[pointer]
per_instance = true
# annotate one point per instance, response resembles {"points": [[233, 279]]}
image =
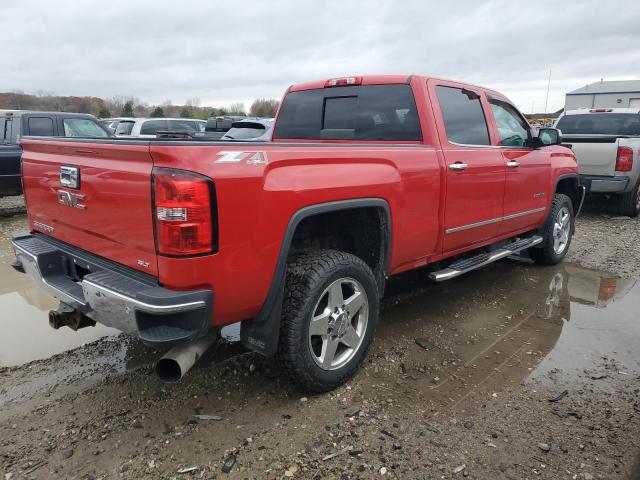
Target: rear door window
{"points": [[40, 126], [464, 119], [82, 127], [600, 124], [365, 112], [152, 127]]}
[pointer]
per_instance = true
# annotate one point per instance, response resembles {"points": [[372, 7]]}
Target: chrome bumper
{"points": [[597, 184], [112, 294]]}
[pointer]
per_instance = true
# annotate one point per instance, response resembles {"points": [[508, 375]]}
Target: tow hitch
{"points": [[69, 317]]}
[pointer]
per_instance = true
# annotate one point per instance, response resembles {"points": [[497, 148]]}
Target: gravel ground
{"points": [[10, 206], [454, 387]]}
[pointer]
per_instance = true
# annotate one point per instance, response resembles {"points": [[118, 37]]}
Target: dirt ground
{"points": [[511, 372]]}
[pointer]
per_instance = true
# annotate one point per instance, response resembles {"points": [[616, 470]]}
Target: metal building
{"points": [[620, 93]]}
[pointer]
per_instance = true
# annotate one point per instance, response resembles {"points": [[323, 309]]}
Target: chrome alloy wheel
{"points": [[339, 323], [561, 230]]}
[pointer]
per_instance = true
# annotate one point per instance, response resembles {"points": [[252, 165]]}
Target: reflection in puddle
{"points": [[26, 334], [509, 323]]}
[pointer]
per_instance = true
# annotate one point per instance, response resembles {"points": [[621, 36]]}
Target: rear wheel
{"points": [[329, 315], [556, 232], [629, 203]]}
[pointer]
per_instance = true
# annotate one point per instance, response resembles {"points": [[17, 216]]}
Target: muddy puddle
{"points": [[509, 324], [444, 344], [26, 335]]}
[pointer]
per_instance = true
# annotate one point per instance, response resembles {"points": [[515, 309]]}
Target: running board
{"points": [[465, 265]]}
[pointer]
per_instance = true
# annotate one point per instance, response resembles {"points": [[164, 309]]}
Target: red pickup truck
{"points": [[365, 177]]}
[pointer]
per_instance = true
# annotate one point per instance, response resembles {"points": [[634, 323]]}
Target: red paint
{"points": [[257, 200]]}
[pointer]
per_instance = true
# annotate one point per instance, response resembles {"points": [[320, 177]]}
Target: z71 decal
{"points": [[255, 158]]}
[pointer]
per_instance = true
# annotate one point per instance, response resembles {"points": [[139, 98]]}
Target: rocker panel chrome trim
{"points": [[461, 228]]}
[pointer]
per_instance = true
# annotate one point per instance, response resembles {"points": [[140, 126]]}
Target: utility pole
{"points": [[546, 101]]}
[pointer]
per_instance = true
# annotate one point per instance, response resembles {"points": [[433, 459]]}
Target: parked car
{"points": [[606, 142], [14, 124], [149, 127], [223, 123], [112, 123], [250, 130], [365, 177]]}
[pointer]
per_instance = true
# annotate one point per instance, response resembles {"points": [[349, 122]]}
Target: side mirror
{"points": [[548, 136]]}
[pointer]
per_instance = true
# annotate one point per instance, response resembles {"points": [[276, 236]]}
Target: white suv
{"points": [[149, 127]]}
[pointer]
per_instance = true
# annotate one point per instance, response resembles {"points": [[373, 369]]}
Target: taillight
{"points": [[343, 82], [185, 213], [624, 159]]}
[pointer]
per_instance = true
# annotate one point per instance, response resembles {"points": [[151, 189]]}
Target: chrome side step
{"points": [[465, 265]]}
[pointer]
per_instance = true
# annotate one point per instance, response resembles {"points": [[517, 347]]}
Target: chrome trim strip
{"points": [[449, 231], [461, 228], [526, 212]]}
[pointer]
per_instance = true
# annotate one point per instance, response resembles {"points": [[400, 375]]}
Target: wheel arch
{"points": [[261, 332], [569, 185]]}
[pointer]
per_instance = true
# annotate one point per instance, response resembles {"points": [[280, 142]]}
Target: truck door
{"points": [[528, 170], [475, 169]]}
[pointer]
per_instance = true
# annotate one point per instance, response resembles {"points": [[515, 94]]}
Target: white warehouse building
{"points": [[613, 94]]}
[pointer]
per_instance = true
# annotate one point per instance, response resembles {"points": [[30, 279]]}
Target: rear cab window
{"points": [[464, 118], [600, 124], [364, 112], [40, 126]]}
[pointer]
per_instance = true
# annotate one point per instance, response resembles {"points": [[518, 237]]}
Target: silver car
{"points": [[250, 130]]}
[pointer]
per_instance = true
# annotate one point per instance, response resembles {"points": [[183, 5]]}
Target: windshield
{"points": [[600, 124]]}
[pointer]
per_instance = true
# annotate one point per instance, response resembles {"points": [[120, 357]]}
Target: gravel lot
{"points": [[458, 384]]}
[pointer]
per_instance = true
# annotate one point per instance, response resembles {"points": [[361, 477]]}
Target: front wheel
{"points": [[329, 315], [556, 232]]}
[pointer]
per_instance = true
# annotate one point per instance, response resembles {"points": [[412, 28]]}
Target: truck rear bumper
{"points": [[597, 184], [112, 294]]}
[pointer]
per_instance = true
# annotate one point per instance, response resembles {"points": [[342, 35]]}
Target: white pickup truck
{"points": [[606, 142]]}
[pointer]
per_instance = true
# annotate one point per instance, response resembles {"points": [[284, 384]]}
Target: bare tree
{"points": [[237, 109], [264, 107]]}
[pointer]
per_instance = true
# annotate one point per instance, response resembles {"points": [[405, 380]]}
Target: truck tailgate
{"points": [[109, 214], [596, 154]]}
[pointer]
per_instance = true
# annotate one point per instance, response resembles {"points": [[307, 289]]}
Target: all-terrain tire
{"points": [[546, 253], [629, 203], [307, 279]]}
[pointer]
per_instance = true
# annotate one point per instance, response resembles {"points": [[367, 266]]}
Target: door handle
{"points": [[513, 164], [458, 166]]}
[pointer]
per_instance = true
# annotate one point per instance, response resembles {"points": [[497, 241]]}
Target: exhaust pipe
{"points": [[179, 360]]}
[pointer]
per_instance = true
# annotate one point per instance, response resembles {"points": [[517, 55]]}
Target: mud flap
{"points": [[262, 333]]}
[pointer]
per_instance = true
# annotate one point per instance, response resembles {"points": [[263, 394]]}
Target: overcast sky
{"points": [[221, 52]]}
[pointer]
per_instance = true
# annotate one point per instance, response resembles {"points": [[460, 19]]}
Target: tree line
{"points": [[127, 106]]}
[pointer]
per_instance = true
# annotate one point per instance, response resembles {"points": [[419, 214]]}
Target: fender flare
{"points": [[261, 333], [581, 190]]}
